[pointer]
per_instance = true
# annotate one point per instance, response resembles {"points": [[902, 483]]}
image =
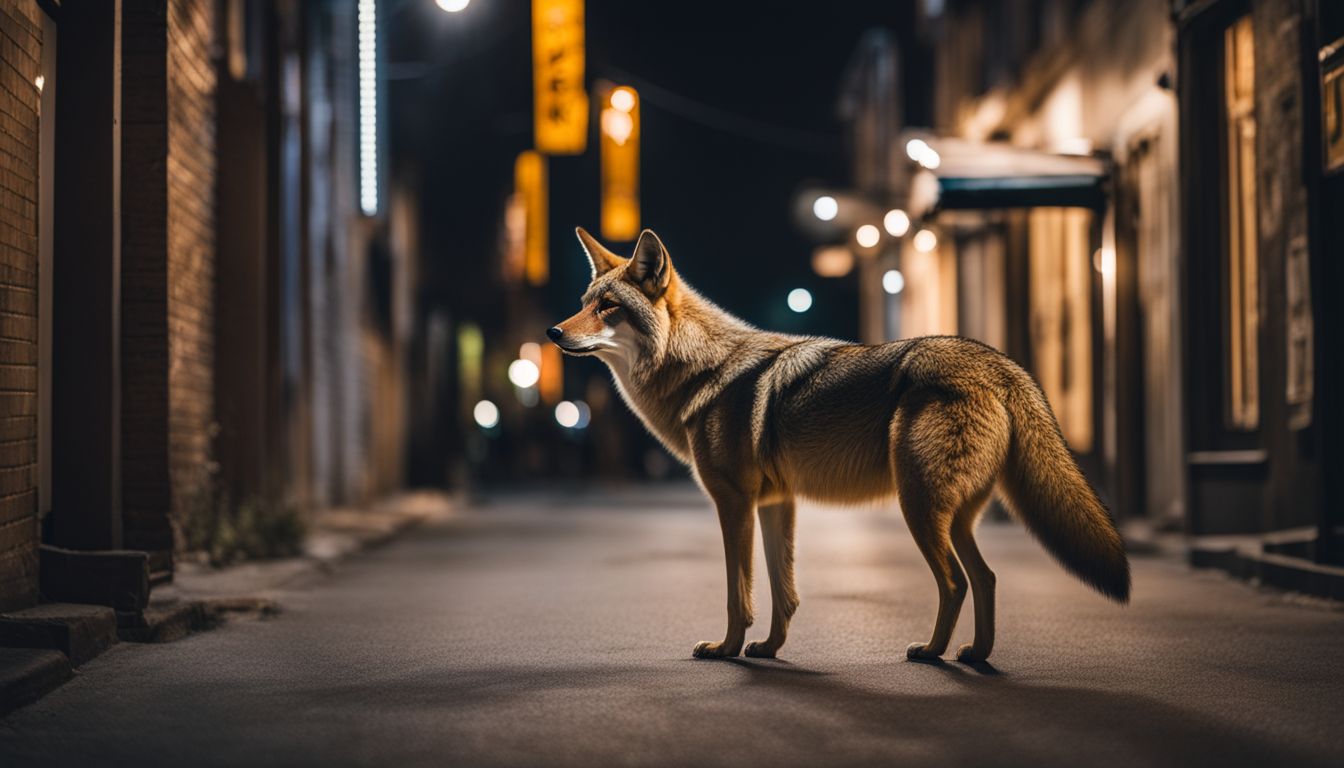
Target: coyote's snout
{"points": [[764, 418]]}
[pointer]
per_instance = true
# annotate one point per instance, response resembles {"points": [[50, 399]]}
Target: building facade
{"points": [[1133, 200], [202, 334]]}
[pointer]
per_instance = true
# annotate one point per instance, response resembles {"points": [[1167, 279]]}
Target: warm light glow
{"points": [[368, 107], [39, 82], [530, 351], [825, 208], [623, 98], [893, 281], [486, 414], [617, 124], [920, 151], [832, 261], [896, 222], [453, 6], [1104, 262], [925, 241], [867, 236], [560, 100], [524, 373], [800, 300]]}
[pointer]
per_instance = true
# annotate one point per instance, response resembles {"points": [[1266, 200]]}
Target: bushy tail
{"points": [[1048, 492]]}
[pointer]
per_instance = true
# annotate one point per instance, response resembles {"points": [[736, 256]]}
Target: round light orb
{"points": [[825, 207], [486, 414], [623, 98], [524, 373], [915, 149], [867, 236], [893, 282], [896, 222], [925, 241], [567, 414], [800, 300], [453, 6]]}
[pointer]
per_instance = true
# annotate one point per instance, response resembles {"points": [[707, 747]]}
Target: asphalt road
{"points": [[557, 629]]}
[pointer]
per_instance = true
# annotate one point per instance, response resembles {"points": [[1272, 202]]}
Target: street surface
{"points": [[556, 628]]}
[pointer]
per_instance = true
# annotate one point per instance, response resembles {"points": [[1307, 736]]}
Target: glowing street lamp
{"points": [[486, 414], [896, 222], [893, 282], [800, 300], [825, 208], [867, 236], [925, 241], [524, 373]]}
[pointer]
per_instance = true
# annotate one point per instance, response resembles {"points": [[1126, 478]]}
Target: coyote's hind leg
{"points": [[777, 523]]}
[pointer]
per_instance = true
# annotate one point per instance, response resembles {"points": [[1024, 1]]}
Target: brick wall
{"points": [[20, 62], [168, 246], [191, 247]]}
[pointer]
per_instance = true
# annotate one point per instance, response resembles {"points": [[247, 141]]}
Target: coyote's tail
{"points": [[1048, 492]]}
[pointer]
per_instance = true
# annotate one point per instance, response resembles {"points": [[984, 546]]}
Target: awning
{"points": [[964, 175]]}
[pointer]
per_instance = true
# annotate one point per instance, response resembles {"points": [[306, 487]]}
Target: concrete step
{"points": [[27, 674], [79, 631]]}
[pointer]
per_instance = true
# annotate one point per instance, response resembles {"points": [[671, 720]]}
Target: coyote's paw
{"points": [[921, 652], [967, 654], [759, 650], [707, 650]]}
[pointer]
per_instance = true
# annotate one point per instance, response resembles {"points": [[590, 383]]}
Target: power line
{"points": [[727, 121]]}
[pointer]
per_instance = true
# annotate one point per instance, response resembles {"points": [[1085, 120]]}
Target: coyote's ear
{"points": [[599, 257], [650, 267]]}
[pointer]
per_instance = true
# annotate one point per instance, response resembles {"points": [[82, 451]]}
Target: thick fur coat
{"points": [[766, 418]]}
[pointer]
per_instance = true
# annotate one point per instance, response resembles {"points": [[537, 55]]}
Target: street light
{"points": [[524, 373], [893, 282], [925, 241], [825, 208], [453, 6], [800, 300], [486, 414], [867, 236], [896, 222]]}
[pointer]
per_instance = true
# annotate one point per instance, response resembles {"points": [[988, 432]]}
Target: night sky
{"points": [[738, 111]]}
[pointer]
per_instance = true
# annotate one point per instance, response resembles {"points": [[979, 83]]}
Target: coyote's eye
{"points": [[606, 307]]}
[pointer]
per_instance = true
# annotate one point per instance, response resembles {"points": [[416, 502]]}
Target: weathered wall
{"points": [[20, 64], [191, 248]]}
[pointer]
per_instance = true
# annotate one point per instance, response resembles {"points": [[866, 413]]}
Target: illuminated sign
{"points": [[529, 174], [561, 108], [620, 163]]}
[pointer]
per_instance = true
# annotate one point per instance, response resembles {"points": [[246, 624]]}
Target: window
{"points": [[1242, 316]]}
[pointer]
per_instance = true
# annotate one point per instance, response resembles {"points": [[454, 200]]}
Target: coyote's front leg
{"points": [[735, 518]]}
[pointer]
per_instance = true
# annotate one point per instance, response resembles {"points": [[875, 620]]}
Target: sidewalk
{"points": [[201, 597]]}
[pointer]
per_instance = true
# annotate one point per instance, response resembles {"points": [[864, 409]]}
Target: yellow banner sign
{"points": [[561, 119], [529, 173], [620, 163]]}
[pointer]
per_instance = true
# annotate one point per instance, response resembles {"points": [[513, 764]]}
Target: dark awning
{"points": [[963, 175]]}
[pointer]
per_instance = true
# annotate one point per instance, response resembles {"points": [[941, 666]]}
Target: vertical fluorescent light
{"points": [[368, 106]]}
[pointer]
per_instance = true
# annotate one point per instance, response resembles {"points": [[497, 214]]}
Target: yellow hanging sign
{"points": [[620, 163], [529, 179], [561, 108]]}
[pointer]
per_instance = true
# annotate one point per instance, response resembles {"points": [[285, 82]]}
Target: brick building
{"points": [[194, 333]]}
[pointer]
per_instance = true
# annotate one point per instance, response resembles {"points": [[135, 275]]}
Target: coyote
{"points": [[766, 418]]}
